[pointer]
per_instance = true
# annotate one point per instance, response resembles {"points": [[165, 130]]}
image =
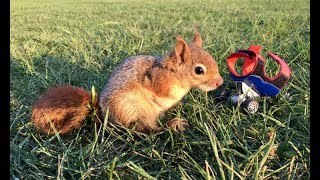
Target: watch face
{"points": [[249, 90]]}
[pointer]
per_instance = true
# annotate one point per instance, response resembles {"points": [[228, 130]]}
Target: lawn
{"points": [[80, 42]]}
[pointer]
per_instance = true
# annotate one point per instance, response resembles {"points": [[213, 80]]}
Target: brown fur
{"points": [[139, 90], [65, 106], [138, 101]]}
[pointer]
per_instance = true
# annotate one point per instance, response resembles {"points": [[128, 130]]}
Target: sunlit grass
{"points": [[80, 42]]}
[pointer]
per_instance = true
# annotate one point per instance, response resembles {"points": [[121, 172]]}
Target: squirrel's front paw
{"points": [[177, 124]]}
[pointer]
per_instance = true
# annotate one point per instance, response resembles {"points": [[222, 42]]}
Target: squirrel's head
{"points": [[194, 66]]}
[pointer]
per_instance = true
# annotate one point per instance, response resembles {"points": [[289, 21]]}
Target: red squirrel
{"points": [[140, 89]]}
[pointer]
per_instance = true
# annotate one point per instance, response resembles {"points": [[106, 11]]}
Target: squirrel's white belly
{"points": [[176, 94], [164, 104]]}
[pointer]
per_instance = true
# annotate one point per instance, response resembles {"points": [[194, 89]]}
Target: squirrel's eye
{"points": [[199, 70]]}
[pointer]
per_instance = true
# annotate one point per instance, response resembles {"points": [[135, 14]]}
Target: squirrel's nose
{"points": [[218, 81]]}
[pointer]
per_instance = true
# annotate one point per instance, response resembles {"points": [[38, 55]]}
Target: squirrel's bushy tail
{"points": [[65, 106]]}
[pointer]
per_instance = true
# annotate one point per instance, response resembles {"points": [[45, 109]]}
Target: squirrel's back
{"points": [[124, 94], [131, 69]]}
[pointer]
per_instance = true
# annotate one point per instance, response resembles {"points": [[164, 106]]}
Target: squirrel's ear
{"points": [[197, 40], [182, 51]]}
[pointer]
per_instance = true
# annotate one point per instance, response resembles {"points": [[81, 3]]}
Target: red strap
{"points": [[248, 61], [249, 64], [284, 68], [255, 48]]}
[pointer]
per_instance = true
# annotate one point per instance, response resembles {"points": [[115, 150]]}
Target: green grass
{"points": [[80, 42]]}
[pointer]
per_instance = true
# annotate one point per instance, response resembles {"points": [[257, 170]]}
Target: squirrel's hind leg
{"points": [[148, 125], [177, 124]]}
